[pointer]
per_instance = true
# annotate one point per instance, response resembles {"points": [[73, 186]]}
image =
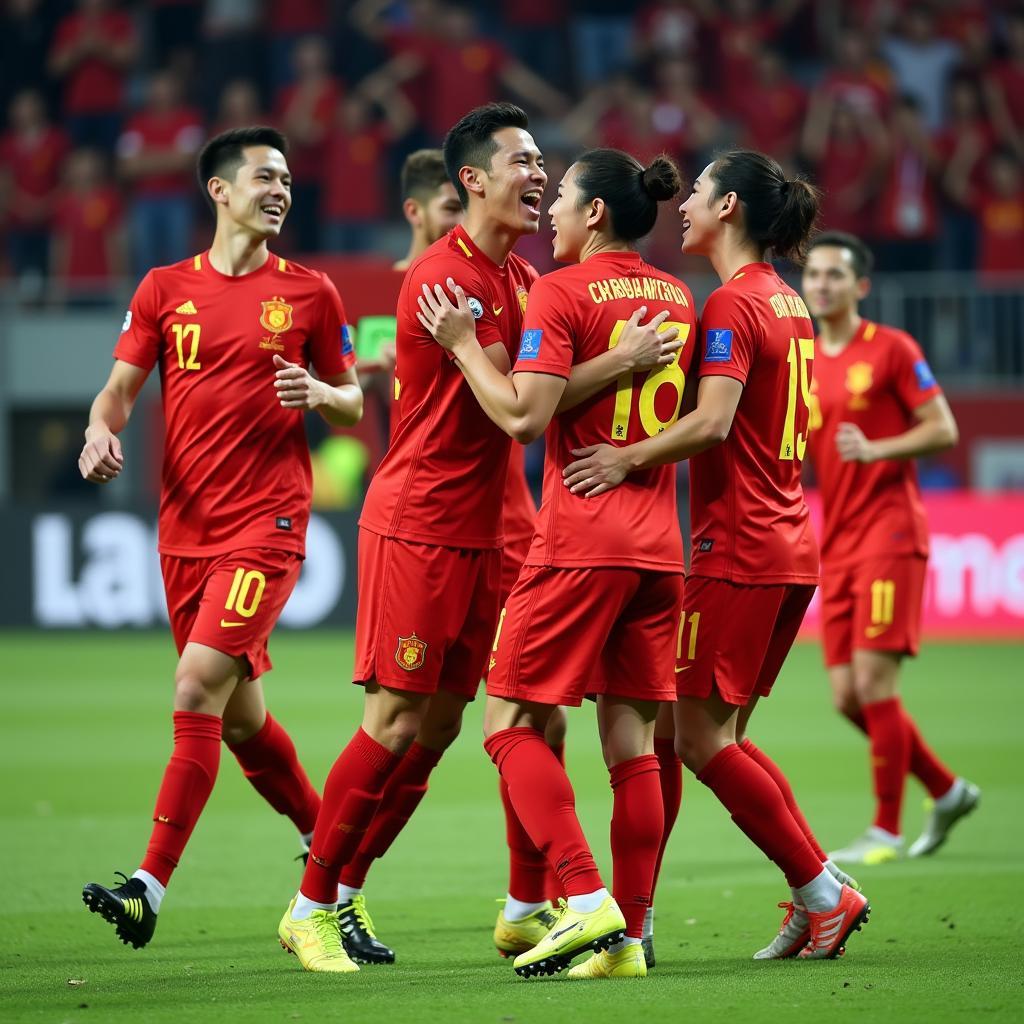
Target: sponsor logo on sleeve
{"points": [[718, 346], [346, 340], [924, 375], [127, 321], [529, 347], [475, 307]]}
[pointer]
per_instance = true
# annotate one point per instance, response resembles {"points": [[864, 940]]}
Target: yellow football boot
{"points": [[316, 941], [573, 933], [514, 937], [627, 963]]}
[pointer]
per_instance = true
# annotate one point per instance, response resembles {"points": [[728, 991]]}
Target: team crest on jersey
{"points": [[410, 653], [276, 316], [859, 378], [522, 295]]}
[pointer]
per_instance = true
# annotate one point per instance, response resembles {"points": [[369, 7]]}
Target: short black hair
{"points": [[423, 173], [471, 142], [861, 258], [630, 191], [223, 154]]}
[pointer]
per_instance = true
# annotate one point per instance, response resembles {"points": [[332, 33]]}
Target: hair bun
{"points": [[661, 180]]}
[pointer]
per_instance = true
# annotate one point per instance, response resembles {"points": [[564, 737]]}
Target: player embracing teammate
{"points": [[596, 606], [754, 559]]}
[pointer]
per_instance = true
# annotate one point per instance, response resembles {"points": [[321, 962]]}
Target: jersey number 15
{"points": [[801, 355]]}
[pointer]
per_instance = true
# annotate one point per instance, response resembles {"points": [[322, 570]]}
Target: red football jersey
{"points": [[750, 523], [236, 468], [876, 382], [575, 314], [520, 512], [443, 478]]}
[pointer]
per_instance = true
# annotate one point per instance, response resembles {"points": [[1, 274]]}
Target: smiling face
{"points": [[259, 196], [512, 186], [702, 222], [568, 219], [830, 284]]}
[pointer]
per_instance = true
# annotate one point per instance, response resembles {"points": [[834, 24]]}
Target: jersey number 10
{"points": [[671, 374], [799, 360]]}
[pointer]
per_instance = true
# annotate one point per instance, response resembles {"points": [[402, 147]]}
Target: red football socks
{"points": [[187, 784], [758, 807], [552, 886], [543, 800], [402, 795], [527, 867], [671, 778], [924, 765], [890, 759], [269, 761], [786, 790], [352, 795], [638, 822]]}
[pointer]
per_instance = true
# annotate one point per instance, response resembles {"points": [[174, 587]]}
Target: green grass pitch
{"points": [[85, 732]]}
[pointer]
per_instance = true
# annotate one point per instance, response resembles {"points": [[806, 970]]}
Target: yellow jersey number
{"points": [[801, 355], [187, 336], [671, 375]]}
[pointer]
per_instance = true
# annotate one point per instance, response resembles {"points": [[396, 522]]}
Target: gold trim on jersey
{"points": [[465, 248], [197, 261], [869, 331], [282, 263]]}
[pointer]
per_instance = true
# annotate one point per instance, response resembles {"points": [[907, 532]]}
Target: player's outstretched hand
{"points": [[449, 323], [853, 446], [645, 345], [101, 459], [296, 387], [598, 468]]}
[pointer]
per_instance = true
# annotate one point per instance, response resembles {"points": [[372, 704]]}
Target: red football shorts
{"points": [[567, 632], [230, 602], [874, 605], [512, 557], [734, 637], [426, 614]]}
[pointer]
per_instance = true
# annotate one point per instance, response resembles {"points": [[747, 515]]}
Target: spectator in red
{"points": [[288, 23], [91, 54], [156, 155], [305, 111], [922, 62], [741, 31], [772, 113], [87, 248], [31, 153], [667, 28], [355, 192], [858, 80], [239, 105], [962, 146], [997, 200], [462, 69], [845, 147], [1004, 86], [682, 110], [907, 216]]}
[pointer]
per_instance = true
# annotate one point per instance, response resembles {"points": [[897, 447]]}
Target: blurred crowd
{"points": [[908, 115]]}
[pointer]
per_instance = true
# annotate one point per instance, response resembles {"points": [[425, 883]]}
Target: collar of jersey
{"points": [[208, 268], [460, 233], [753, 268]]}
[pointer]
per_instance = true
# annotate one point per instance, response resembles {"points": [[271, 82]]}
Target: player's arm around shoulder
{"points": [[102, 458]]}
